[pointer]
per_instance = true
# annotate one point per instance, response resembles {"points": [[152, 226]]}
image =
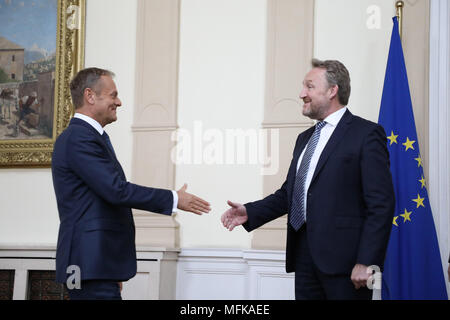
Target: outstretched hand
{"points": [[192, 203], [235, 216]]}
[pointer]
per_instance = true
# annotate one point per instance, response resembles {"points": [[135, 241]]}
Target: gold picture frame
{"points": [[69, 57]]}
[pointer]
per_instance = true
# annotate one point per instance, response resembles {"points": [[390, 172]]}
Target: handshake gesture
{"points": [[233, 217], [192, 203]]}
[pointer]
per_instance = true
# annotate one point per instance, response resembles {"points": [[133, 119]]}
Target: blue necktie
{"points": [[111, 150], [298, 209], [108, 142]]}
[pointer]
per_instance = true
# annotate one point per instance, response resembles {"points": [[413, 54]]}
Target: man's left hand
{"points": [[360, 276]]}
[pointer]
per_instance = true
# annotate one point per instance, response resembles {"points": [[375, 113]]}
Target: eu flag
{"points": [[413, 266]]}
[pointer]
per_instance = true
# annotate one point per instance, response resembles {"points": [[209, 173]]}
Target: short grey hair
{"points": [[86, 78], [336, 74]]}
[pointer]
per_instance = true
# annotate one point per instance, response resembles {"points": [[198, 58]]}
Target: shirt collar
{"points": [[97, 126], [335, 117]]}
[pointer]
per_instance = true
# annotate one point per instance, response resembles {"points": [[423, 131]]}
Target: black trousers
{"points": [[96, 290], [312, 284]]}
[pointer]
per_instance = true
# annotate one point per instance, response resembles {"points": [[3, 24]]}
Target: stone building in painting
{"points": [[12, 59]]}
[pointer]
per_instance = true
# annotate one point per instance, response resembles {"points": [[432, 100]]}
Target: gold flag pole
{"points": [[399, 5]]}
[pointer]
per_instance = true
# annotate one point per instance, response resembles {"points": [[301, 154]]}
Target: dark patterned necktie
{"points": [[111, 151], [298, 198], [108, 142]]}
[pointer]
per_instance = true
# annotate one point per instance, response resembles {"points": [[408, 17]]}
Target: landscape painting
{"points": [[41, 49], [28, 41]]}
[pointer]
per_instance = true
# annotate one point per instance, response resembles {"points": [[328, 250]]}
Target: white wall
{"points": [[233, 274], [222, 68], [342, 33], [222, 59], [28, 212], [111, 44], [221, 83], [439, 139]]}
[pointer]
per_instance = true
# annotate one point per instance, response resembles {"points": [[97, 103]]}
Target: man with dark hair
{"points": [[87, 78], [25, 105], [97, 232], [338, 194]]}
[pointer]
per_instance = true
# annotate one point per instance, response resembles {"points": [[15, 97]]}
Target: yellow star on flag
{"points": [[409, 144], [393, 138], [406, 216], [419, 161], [422, 181], [394, 222], [419, 201]]}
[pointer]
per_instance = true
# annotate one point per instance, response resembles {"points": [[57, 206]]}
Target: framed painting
{"points": [[41, 49]]}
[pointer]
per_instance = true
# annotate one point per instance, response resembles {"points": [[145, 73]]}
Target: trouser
{"points": [[312, 284], [96, 290]]}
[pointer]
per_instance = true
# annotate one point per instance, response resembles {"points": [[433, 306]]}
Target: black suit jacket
{"points": [[350, 201], [94, 199]]}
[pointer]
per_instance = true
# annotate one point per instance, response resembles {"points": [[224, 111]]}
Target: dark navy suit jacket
{"points": [[350, 201], [94, 199]]}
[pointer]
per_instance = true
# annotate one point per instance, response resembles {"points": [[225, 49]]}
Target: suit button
{"points": [[309, 194]]}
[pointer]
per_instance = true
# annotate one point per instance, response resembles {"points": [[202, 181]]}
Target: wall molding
{"points": [[289, 53], [155, 114], [233, 274], [153, 128], [439, 132], [155, 278]]}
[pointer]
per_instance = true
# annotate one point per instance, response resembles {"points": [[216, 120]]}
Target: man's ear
{"points": [[334, 91], [89, 95]]}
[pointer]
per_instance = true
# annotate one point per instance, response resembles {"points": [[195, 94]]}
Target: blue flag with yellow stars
{"points": [[413, 267]]}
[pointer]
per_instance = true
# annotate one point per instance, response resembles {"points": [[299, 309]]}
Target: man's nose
{"points": [[303, 94]]}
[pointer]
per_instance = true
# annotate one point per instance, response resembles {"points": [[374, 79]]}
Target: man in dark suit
{"points": [[338, 194], [97, 232]]}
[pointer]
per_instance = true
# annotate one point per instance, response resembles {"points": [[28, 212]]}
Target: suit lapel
{"points": [[83, 123], [94, 132], [305, 136], [112, 154], [302, 144], [335, 139]]}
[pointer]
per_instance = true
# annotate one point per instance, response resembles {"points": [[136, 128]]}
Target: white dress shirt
{"points": [[97, 126], [331, 123]]}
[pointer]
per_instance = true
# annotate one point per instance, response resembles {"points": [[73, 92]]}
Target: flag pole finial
{"points": [[399, 5]]}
